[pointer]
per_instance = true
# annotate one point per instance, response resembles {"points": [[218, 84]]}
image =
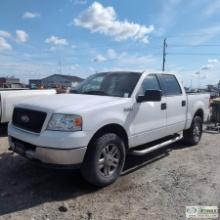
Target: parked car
{"points": [[10, 97], [109, 115]]}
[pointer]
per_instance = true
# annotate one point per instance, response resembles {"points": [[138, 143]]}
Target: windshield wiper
{"points": [[73, 91], [95, 92]]}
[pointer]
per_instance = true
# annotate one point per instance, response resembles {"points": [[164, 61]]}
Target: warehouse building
{"points": [[55, 81], [10, 82]]}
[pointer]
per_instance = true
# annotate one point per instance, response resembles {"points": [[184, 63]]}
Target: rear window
{"points": [[170, 85]]}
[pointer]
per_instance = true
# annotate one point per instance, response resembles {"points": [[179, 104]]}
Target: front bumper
{"points": [[52, 139], [48, 156], [50, 147]]}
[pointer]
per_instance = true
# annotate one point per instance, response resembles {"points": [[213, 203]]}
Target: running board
{"points": [[174, 139]]}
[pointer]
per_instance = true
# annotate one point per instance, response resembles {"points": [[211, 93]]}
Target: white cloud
{"points": [[4, 45], [111, 54], [56, 41], [213, 61], [99, 58], [79, 2], [5, 34], [124, 59], [212, 8], [98, 18], [30, 15], [207, 67], [21, 36]]}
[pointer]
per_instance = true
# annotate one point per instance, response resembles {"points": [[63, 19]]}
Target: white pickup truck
{"points": [[109, 115], [10, 97]]}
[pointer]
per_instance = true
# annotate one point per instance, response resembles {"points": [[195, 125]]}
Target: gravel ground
{"points": [[156, 186]]}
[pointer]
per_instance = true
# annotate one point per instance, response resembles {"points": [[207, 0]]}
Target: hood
{"points": [[57, 103]]}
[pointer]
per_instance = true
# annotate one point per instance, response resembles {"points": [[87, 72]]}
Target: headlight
{"points": [[65, 122]]}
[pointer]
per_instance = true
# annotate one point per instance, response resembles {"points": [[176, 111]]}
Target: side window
{"points": [[170, 85], [149, 83]]}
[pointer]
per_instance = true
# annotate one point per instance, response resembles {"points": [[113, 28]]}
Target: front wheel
{"points": [[193, 135], [104, 160]]}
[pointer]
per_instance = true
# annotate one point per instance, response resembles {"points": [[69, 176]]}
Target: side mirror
{"points": [[150, 96]]}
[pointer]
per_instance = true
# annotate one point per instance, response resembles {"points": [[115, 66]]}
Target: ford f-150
{"points": [[108, 116]]}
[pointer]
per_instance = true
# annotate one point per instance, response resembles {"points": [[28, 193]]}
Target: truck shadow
{"points": [[24, 185], [3, 130], [134, 163]]}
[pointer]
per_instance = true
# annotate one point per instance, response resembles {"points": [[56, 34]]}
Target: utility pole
{"points": [[164, 53]]}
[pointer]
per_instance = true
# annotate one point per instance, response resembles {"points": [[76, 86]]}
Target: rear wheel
{"points": [[193, 135], [104, 160]]}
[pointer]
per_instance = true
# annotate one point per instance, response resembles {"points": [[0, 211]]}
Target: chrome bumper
{"points": [[52, 156]]}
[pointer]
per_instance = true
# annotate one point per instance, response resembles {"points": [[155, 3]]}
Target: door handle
{"points": [[163, 106], [183, 103]]}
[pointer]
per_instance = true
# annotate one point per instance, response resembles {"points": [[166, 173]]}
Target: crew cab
{"points": [[108, 116], [10, 97]]}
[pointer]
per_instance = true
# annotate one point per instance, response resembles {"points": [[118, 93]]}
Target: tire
{"points": [[104, 160], [193, 135]]}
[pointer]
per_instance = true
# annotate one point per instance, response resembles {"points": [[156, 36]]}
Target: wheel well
{"points": [[111, 128], [200, 114]]}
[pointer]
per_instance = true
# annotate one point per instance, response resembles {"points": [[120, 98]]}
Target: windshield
{"points": [[109, 84]]}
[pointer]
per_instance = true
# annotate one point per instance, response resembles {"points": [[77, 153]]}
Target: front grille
{"points": [[27, 119]]}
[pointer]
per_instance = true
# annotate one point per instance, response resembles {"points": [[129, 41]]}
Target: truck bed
{"points": [[197, 101]]}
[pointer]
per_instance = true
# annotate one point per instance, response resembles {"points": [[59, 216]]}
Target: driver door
{"points": [[150, 117]]}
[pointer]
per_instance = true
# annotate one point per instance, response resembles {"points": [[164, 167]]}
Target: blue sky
{"points": [[80, 37]]}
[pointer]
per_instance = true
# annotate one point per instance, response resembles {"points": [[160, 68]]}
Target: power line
{"points": [[196, 54], [190, 35], [196, 45]]}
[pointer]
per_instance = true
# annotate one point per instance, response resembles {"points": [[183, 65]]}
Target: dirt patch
{"points": [[156, 186]]}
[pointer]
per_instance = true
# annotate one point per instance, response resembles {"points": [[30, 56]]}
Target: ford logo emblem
{"points": [[25, 118]]}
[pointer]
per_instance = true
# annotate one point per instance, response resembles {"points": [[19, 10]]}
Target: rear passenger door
{"points": [[175, 103]]}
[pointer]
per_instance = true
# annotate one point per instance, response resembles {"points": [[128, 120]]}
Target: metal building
{"points": [[55, 81], [10, 82]]}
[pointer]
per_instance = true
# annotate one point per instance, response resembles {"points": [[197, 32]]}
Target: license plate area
{"points": [[19, 148]]}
